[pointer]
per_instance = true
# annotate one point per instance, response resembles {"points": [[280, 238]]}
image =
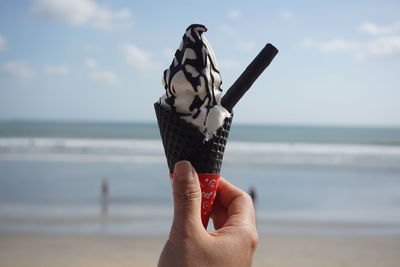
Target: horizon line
{"points": [[249, 124]]}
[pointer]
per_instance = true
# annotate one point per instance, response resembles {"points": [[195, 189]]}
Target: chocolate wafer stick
{"points": [[248, 77]]}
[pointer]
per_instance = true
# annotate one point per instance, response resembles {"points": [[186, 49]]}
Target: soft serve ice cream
{"points": [[193, 83]]}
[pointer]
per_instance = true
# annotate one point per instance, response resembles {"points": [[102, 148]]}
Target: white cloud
{"points": [[338, 45], [308, 42], [3, 43], [138, 58], [107, 77], [373, 29], [57, 69], [81, 12], [91, 63], [19, 69], [383, 47], [286, 13], [227, 64], [335, 45], [234, 14], [245, 46], [169, 53], [226, 29], [88, 47]]}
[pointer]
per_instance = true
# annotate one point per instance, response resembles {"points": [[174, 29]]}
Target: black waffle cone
{"points": [[183, 141]]}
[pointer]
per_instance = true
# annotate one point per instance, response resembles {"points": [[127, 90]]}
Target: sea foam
{"points": [[151, 151]]}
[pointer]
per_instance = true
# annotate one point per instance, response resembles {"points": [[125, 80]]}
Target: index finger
{"points": [[239, 205]]}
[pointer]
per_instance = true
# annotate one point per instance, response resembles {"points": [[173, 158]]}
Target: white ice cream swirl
{"points": [[192, 83]]}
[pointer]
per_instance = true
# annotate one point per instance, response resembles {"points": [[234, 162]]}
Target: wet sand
{"points": [[17, 249]]}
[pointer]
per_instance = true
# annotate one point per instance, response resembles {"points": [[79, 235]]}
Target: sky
{"points": [[338, 61]]}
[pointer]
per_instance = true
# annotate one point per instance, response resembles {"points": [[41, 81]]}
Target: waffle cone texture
{"points": [[183, 141]]}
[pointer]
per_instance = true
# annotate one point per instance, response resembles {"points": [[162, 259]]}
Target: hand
{"points": [[231, 244]]}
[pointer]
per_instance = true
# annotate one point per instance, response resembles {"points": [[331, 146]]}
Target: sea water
{"points": [[307, 179]]}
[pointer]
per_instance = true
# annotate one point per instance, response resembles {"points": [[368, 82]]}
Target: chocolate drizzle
{"points": [[195, 60]]}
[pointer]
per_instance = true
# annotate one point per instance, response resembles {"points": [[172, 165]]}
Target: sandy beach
{"points": [[17, 249]]}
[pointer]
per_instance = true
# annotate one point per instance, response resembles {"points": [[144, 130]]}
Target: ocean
{"points": [[308, 180]]}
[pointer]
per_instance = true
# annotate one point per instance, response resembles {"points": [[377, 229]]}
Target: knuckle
{"points": [[248, 198], [190, 193], [250, 234], [254, 240]]}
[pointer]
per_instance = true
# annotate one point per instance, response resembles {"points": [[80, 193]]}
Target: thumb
{"points": [[187, 199]]}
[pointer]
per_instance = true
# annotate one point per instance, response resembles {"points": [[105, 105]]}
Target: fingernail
{"points": [[183, 171]]}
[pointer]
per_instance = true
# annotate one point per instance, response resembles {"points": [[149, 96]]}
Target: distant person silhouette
{"points": [[253, 195], [104, 196]]}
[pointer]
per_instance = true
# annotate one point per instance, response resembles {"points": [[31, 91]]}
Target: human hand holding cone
{"points": [[193, 124]]}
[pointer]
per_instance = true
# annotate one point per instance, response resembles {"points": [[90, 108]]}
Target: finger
{"points": [[240, 209], [218, 214], [187, 200]]}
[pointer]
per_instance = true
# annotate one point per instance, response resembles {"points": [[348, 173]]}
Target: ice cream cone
{"points": [[183, 141], [193, 119]]}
